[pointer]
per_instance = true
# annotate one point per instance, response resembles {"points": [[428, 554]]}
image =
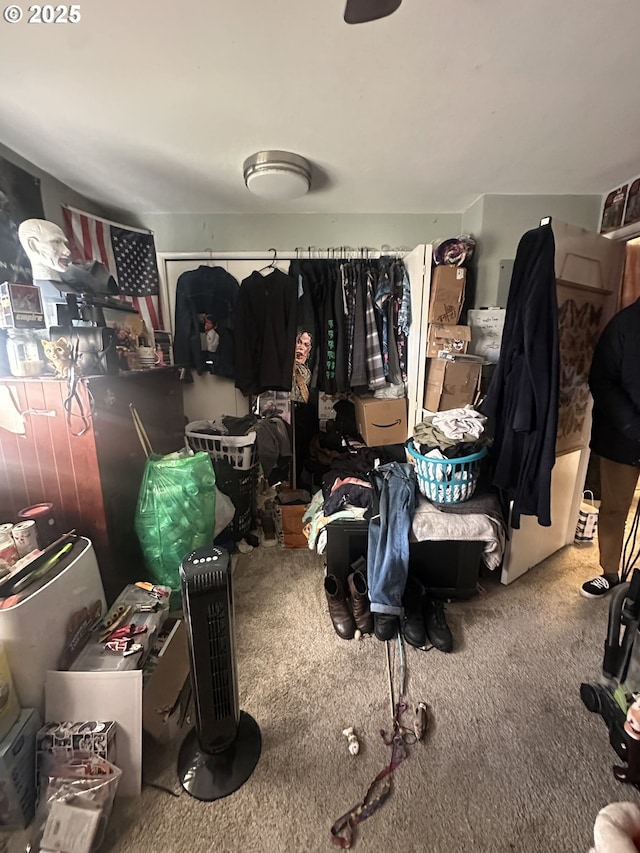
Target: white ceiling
{"points": [[152, 106]]}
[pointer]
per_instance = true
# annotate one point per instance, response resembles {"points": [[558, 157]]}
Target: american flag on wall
{"points": [[128, 253]]}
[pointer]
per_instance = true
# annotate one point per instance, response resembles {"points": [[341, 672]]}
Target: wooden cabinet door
{"points": [[157, 397], [50, 461]]}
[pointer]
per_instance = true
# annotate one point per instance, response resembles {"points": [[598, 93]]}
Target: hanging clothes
{"points": [[266, 323], [207, 292], [362, 312], [375, 369], [523, 395], [301, 370], [322, 294]]}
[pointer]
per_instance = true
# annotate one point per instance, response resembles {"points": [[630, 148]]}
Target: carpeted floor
{"points": [[514, 762]]}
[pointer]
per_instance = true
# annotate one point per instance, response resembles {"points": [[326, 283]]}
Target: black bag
{"points": [[93, 347]]}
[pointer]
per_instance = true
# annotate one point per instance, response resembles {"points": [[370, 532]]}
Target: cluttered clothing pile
{"points": [[455, 434], [451, 434], [347, 493]]}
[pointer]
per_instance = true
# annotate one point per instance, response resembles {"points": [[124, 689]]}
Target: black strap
{"points": [[74, 398]]}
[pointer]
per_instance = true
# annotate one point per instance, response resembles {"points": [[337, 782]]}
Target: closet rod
{"points": [[267, 256]]}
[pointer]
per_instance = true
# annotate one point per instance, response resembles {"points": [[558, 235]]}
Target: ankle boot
{"points": [[412, 622], [435, 622], [341, 617], [357, 584]]}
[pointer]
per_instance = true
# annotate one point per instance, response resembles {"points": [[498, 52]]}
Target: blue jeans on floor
{"points": [[388, 545]]}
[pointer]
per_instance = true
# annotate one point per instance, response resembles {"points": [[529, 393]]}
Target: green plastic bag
{"points": [[176, 511]]}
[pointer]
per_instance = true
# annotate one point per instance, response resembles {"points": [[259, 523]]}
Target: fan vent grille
{"points": [[220, 659]]}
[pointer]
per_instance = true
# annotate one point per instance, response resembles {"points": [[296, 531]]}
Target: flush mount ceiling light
{"points": [[277, 174]]}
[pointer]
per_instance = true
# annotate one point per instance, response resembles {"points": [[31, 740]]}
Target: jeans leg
{"points": [[388, 564]]}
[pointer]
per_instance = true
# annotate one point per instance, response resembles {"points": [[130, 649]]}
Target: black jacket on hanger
{"points": [[523, 395], [615, 385], [266, 320], [212, 291]]}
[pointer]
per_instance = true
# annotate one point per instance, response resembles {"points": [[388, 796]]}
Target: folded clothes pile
{"points": [[451, 434]]}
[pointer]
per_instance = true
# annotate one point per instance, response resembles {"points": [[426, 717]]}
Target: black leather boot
{"points": [[357, 584], [341, 617], [412, 622], [385, 626], [435, 622]]}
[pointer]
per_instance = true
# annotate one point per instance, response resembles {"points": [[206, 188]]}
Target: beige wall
{"points": [[241, 232], [55, 193], [497, 222], [504, 220]]}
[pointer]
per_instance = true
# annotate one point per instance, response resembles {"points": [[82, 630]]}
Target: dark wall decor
{"points": [[20, 199]]}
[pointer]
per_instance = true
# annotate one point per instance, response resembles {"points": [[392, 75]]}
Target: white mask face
{"points": [[53, 250], [46, 247]]}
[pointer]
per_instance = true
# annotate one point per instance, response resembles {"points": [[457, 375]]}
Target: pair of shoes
{"points": [[385, 626], [436, 627], [345, 619], [412, 622], [597, 587]]}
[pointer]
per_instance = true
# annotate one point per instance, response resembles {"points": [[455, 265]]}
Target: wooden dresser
{"points": [[92, 478]]}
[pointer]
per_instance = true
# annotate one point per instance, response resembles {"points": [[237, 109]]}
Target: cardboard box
{"points": [[164, 697], [21, 306], [445, 338], [447, 294], [381, 422], [18, 772], [451, 384]]}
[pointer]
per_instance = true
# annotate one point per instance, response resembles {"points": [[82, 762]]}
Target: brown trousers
{"points": [[618, 483]]}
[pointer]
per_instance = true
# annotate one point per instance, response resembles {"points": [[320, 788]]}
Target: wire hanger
{"points": [[272, 265]]}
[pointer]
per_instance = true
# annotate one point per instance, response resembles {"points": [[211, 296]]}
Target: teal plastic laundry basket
{"points": [[447, 481]]}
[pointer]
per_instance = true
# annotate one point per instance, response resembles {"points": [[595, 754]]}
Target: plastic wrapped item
{"points": [[64, 740], [75, 806], [134, 620], [175, 512]]}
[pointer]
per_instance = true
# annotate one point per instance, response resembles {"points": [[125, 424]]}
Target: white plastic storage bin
{"points": [[37, 631], [240, 451]]}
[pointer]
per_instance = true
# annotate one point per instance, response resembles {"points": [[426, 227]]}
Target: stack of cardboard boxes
{"points": [[452, 378]]}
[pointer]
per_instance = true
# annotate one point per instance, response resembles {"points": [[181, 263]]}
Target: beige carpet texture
{"points": [[513, 760]]}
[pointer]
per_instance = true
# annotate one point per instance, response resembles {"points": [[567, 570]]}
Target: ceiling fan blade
{"points": [[362, 11]]}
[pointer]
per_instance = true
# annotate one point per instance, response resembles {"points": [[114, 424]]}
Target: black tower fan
{"points": [[221, 752]]}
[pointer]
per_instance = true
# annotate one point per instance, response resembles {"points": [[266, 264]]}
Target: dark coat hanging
{"points": [[206, 291], [266, 322], [523, 395]]}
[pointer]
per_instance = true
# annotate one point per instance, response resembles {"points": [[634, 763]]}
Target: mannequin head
{"points": [[46, 247]]}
